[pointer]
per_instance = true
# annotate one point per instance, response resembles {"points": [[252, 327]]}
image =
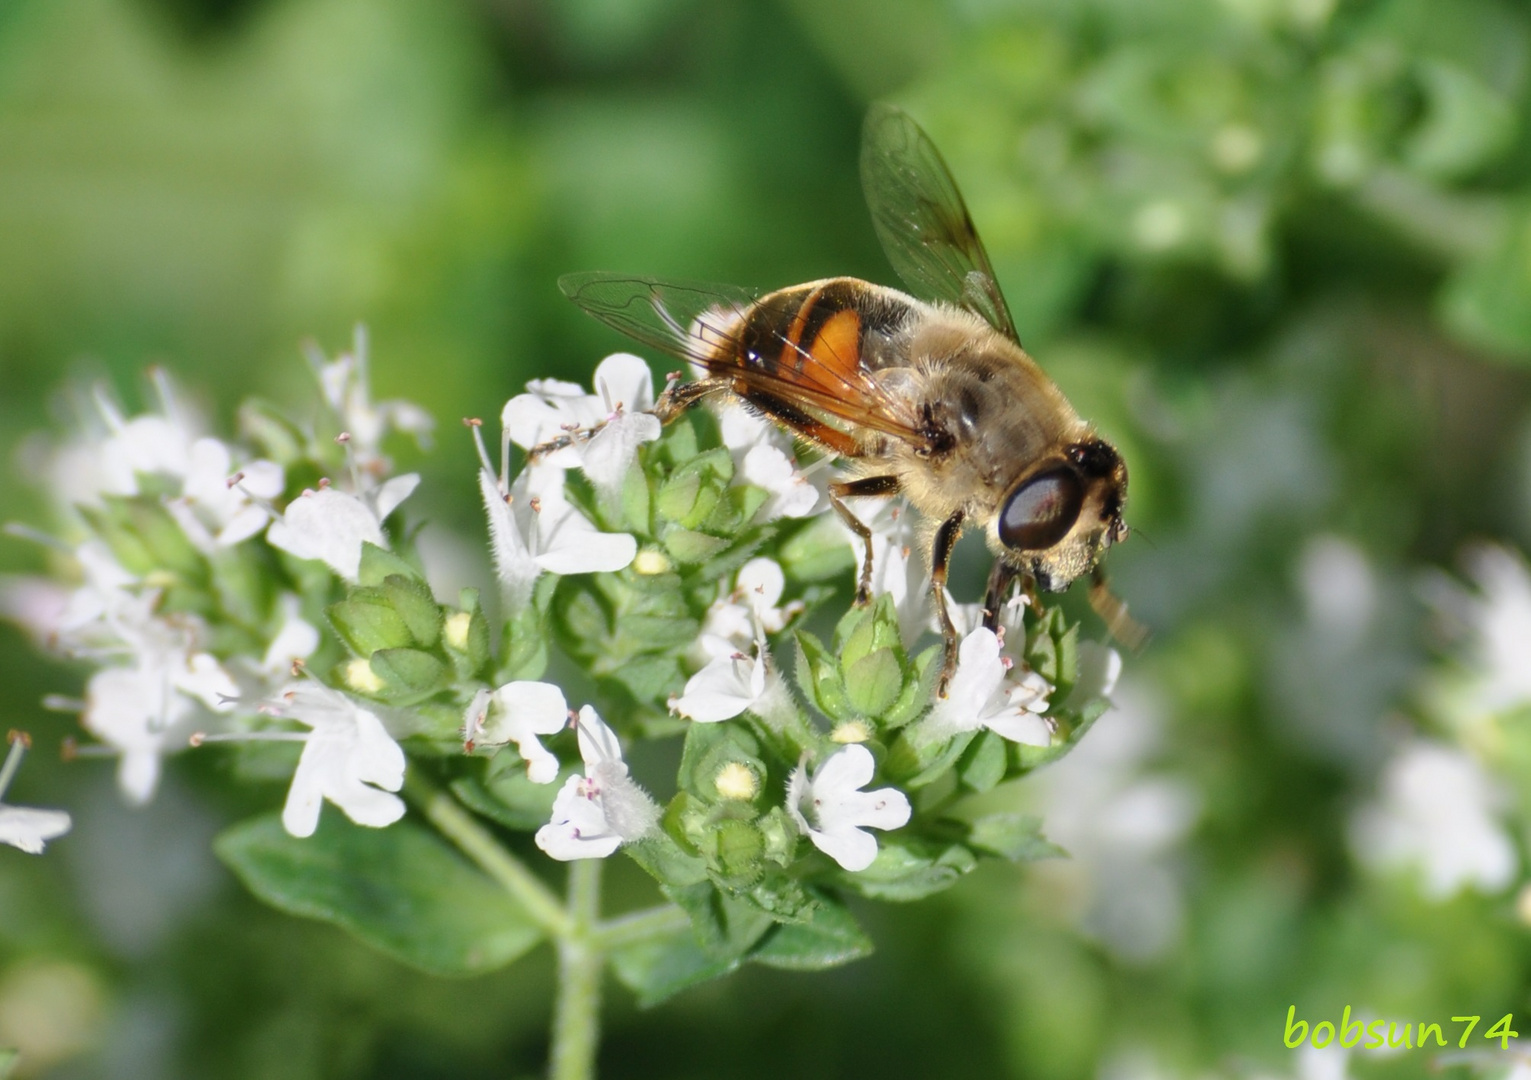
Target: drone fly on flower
{"points": [[930, 397]]}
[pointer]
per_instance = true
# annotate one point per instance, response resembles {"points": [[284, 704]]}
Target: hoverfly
{"points": [[932, 398]]}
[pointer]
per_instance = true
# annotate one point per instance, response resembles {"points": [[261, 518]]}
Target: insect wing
{"points": [[922, 221], [689, 320]]}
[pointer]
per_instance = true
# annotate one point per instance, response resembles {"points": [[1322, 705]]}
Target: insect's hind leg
{"points": [[875, 486], [677, 398]]}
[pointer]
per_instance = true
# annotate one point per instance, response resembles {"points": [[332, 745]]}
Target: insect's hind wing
{"points": [[689, 320], [922, 221]]}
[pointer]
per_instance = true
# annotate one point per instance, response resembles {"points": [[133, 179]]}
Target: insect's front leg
{"points": [[1001, 576], [940, 559], [874, 486], [677, 398]]}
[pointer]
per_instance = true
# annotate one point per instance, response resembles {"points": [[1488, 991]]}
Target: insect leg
{"points": [[940, 559], [1122, 626], [1001, 576], [867, 486], [679, 396], [676, 399]]}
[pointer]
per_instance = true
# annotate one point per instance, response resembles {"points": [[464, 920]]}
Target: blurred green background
{"points": [[1279, 250]]}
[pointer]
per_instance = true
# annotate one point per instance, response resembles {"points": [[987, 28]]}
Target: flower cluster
{"points": [[263, 592]]}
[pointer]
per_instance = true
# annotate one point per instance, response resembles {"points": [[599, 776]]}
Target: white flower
{"points": [[110, 459], [142, 710], [331, 525], [762, 456], [348, 758], [753, 602], [991, 691], [611, 423], [1498, 618], [217, 510], [534, 528], [518, 712], [345, 385], [595, 814], [296, 639], [729, 684], [26, 827], [832, 810], [732, 679], [1437, 812]]}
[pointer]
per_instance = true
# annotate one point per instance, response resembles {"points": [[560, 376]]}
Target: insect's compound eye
{"points": [[1042, 510]]}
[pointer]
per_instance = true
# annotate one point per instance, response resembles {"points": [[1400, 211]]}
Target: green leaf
{"points": [[507, 795], [399, 890], [918, 691], [412, 599], [874, 682], [818, 675], [817, 551], [908, 868], [686, 546], [1466, 123], [666, 862], [409, 674], [1017, 837], [379, 564], [916, 763], [983, 763], [8, 1062], [660, 968], [524, 645], [831, 937], [725, 927], [367, 625]]}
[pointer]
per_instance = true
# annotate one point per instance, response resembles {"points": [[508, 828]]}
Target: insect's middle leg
{"points": [[874, 486], [940, 560]]}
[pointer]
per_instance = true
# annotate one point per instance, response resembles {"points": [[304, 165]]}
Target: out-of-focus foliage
{"points": [[1279, 250]]}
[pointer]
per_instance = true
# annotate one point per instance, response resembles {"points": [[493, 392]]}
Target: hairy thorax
{"points": [[988, 411]]}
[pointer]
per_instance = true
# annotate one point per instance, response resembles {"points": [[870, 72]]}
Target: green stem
{"points": [[639, 926], [577, 1014], [479, 844]]}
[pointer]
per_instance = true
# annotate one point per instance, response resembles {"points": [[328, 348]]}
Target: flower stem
{"points": [[476, 842], [576, 1016]]}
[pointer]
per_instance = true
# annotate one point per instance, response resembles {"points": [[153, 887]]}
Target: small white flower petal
{"points": [[348, 758], [522, 711], [30, 828], [295, 640], [593, 815], [578, 829], [597, 742], [724, 688], [1100, 666], [330, 526], [624, 380], [834, 814], [394, 491]]}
